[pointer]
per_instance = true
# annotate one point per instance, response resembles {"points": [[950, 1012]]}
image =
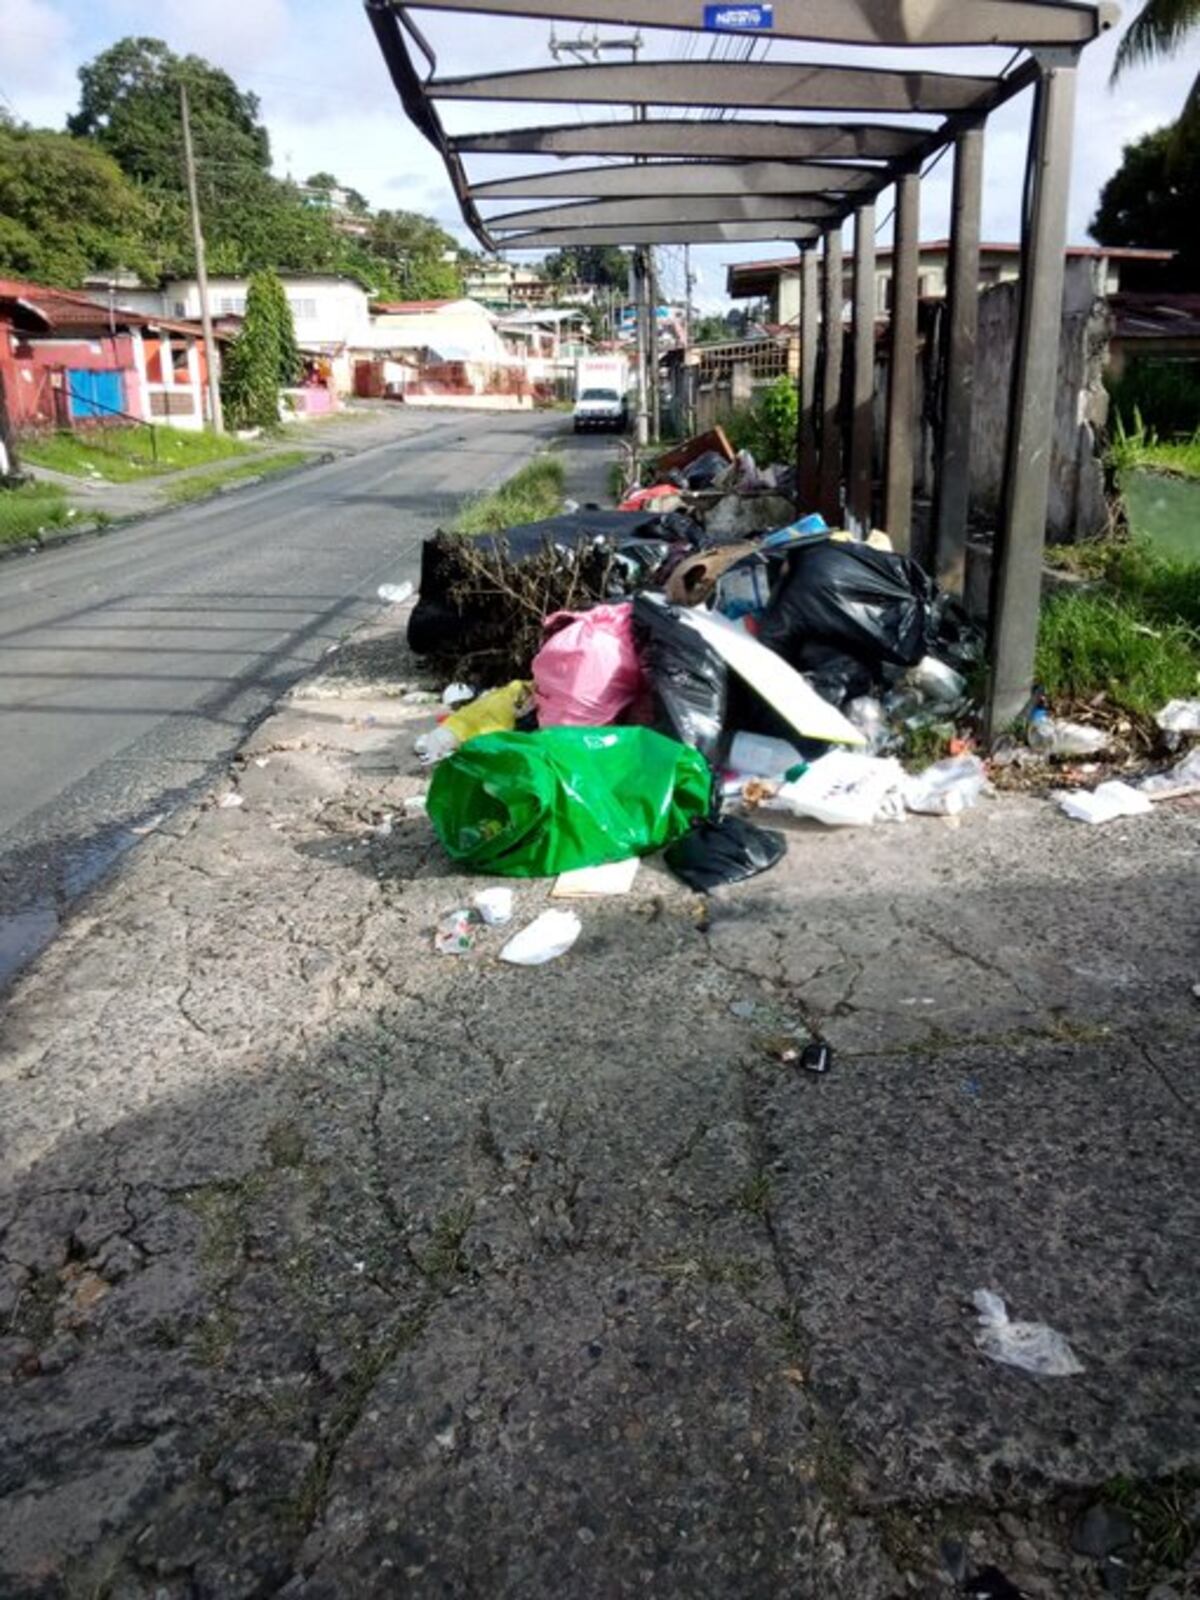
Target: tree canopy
{"points": [[111, 191], [1153, 198], [67, 209], [605, 265], [262, 357]]}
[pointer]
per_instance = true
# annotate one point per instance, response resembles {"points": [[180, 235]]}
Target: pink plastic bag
{"points": [[587, 671]]}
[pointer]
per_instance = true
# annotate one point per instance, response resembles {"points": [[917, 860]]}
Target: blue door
{"points": [[94, 394]]}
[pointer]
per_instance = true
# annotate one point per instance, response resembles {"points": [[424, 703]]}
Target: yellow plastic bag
{"points": [[494, 712]]}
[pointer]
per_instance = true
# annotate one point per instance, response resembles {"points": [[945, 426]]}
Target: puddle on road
{"points": [[31, 925]]}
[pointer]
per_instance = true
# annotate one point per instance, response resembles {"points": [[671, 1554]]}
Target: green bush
{"points": [[767, 428]]}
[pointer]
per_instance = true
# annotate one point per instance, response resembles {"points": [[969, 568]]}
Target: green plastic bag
{"points": [[528, 805]]}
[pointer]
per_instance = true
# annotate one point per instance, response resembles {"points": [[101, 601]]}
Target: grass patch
{"points": [[528, 496], [1095, 643], [26, 510], [1134, 638], [1162, 1515], [1139, 447], [200, 487], [120, 455]]}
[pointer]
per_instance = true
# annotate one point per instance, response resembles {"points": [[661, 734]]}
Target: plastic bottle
{"points": [[1052, 737]]}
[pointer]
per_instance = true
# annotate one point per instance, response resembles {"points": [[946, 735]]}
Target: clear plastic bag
{"points": [[1032, 1346], [947, 787], [1104, 803]]}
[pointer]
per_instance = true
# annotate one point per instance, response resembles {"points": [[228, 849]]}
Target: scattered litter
{"points": [[434, 745], [1183, 778], [229, 801], [414, 805], [455, 933], [717, 853], [614, 877], [845, 789], [936, 681], [383, 828], [816, 1057], [150, 825], [547, 937], [457, 694], [1053, 737], [947, 787], [757, 755], [1032, 1346], [262, 761], [495, 906], [1179, 716], [395, 594], [1104, 803]]}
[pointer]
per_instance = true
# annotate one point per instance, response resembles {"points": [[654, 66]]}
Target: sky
{"points": [[329, 104]]}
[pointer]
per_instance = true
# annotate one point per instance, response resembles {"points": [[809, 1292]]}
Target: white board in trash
{"points": [[771, 677]]}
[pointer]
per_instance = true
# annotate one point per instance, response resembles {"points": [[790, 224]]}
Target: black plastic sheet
{"points": [[717, 853], [688, 681]]}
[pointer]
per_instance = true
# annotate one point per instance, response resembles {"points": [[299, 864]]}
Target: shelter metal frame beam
{"points": [[807, 480], [902, 367], [681, 178], [781, 208], [862, 402], [729, 232], [681, 136], [773, 85], [832, 339], [860, 22], [1017, 561]]}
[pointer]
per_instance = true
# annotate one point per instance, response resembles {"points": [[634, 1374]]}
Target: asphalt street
{"points": [[134, 664]]}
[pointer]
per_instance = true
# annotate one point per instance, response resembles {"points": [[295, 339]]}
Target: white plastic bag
{"points": [[395, 594], [434, 745], [758, 755], [550, 935], [1104, 803], [1182, 778], [947, 787], [936, 681], [847, 790], [1179, 716], [1032, 1346], [495, 906], [457, 694]]}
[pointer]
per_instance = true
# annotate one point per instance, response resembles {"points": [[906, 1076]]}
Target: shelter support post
{"points": [[1017, 566], [858, 488], [807, 482], [952, 490], [902, 368], [831, 381], [639, 312]]}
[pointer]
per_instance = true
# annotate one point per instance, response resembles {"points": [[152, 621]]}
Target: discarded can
{"points": [[816, 1057]]}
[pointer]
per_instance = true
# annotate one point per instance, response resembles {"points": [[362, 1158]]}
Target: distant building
{"points": [[70, 360], [778, 282], [501, 284]]}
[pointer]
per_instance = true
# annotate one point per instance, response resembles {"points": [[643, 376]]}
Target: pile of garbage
{"points": [[644, 679]]}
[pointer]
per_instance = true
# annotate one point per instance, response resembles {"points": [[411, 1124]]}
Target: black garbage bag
{"points": [[707, 471], [687, 679], [836, 675], [871, 604], [716, 853]]}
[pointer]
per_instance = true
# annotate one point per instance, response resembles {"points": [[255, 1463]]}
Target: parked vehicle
{"points": [[600, 393]]}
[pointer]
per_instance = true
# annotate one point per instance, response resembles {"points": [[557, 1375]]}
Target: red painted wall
{"points": [[29, 361]]}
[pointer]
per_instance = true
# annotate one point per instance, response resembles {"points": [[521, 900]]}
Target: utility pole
{"points": [[210, 347], [687, 296]]}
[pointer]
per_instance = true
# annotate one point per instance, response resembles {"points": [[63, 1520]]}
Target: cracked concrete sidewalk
{"points": [[331, 1267]]}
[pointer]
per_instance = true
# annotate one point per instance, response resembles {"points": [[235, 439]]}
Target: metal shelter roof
{"points": [[705, 180]]}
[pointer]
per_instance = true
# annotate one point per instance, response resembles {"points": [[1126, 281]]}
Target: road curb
{"points": [[57, 538]]}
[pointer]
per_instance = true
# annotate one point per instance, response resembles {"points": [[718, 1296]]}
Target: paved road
{"points": [[132, 665]]}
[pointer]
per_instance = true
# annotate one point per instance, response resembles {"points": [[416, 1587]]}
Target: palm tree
{"points": [[1160, 29]]}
